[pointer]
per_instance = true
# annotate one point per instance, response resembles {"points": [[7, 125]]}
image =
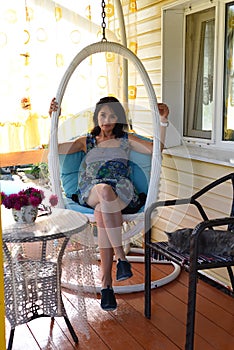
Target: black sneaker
{"points": [[108, 301], [123, 270]]}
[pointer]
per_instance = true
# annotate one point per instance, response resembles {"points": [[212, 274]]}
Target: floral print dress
{"points": [[110, 166]]}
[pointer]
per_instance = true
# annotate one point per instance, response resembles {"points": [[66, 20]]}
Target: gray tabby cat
{"points": [[210, 241]]}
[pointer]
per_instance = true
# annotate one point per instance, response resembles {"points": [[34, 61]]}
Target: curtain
{"points": [[38, 40]]}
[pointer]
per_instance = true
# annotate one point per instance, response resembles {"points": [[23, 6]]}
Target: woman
{"points": [[104, 183]]}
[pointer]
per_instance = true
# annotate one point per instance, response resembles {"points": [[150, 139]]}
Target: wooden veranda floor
{"points": [[127, 328]]}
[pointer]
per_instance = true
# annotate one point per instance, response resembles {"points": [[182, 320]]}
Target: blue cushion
{"points": [[141, 166], [69, 204], [69, 169], [70, 163]]}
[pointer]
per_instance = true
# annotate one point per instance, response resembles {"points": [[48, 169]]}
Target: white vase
{"points": [[26, 214]]}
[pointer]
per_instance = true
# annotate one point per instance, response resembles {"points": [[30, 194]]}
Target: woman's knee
{"points": [[106, 193]]}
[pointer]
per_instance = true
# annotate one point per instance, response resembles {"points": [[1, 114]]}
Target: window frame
{"points": [[225, 80], [173, 82], [189, 119]]}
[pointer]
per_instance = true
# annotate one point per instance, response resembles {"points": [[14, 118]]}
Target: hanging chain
{"points": [[103, 21]]}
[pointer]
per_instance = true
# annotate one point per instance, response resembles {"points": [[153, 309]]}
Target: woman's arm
{"points": [[73, 146], [139, 145], [164, 112], [144, 146]]}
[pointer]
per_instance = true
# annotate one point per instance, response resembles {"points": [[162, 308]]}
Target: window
{"points": [[198, 72], [228, 103]]}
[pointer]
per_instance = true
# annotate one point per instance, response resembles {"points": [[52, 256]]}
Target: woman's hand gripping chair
{"points": [[191, 262]]}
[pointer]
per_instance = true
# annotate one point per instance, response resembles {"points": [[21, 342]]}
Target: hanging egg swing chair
{"points": [[145, 170]]}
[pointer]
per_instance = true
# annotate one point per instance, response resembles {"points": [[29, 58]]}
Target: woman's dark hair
{"points": [[121, 125]]}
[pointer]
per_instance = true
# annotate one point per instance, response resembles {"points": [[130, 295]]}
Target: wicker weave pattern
{"points": [[34, 292], [35, 257]]}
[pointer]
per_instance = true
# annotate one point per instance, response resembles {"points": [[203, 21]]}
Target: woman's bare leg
{"points": [[106, 251], [108, 215], [109, 223], [106, 256]]}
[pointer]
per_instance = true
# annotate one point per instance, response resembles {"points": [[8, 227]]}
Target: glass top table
{"points": [[33, 260]]}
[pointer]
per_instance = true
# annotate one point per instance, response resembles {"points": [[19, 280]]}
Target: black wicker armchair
{"points": [[192, 262]]}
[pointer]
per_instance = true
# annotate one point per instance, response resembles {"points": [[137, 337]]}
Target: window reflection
{"points": [[204, 88]]}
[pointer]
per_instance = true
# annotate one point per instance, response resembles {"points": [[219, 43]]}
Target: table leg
{"points": [[71, 330]]}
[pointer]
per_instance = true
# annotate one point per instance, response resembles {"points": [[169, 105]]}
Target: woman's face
{"points": [[107, 119]]}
